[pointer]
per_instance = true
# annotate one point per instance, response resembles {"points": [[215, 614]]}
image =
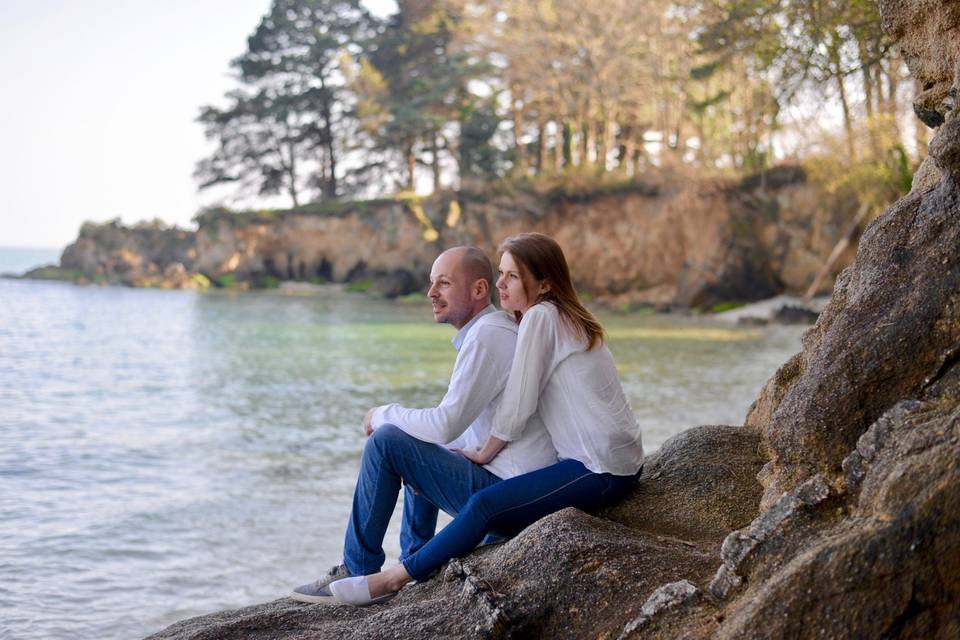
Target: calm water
{"points": [[165, 454]]}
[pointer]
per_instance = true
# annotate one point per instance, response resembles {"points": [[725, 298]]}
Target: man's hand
{"points": [[367, 424]]}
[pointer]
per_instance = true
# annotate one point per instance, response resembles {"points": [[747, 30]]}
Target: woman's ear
{"points": [[544, 287]]}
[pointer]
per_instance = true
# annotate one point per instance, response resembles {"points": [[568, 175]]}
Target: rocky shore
{"points": [[670, 241], [833, 512]]}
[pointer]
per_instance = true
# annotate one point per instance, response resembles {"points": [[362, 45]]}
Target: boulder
{"points": [[570, 575]]}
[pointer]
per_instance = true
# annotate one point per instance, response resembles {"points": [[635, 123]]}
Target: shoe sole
{"points": [[381, 600], [302, 597]]}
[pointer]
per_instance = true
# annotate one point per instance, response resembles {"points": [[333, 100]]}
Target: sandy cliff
{"points": [[672, 240]]}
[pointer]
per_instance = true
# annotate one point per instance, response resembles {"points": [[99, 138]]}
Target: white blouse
{"points": [[576, 392]]}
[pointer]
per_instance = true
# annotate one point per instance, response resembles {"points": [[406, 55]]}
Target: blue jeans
{"points": [[511, 505], [391, 458]]}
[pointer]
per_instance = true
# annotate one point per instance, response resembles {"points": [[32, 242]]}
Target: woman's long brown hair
{"points": [[540, 257]]}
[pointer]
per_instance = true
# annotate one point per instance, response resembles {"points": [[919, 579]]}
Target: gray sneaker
{"points": [[319, 591]]}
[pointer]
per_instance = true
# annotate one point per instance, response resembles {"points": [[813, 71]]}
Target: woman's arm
{"points": [[537, 355], [489, 451]]}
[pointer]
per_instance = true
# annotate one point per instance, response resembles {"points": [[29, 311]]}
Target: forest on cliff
{"points": [[332, 101]]}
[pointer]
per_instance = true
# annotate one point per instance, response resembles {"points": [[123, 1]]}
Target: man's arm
{"points": [[479, 375]]}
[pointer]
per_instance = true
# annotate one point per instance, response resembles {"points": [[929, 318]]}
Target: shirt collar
{"points": [[462, 334]]}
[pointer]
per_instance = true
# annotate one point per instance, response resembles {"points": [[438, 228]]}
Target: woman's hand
{"points": [[489, 451], [472, 456]]}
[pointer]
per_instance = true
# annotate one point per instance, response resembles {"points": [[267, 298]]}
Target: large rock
{"points": [[570, 575], [893, 321], [698, 487], [859, 530]]}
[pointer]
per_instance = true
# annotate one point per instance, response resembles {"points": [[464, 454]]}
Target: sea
{"points": [[165, 454]]}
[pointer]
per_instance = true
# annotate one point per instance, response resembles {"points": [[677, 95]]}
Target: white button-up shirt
{"points": [[485, 348], [576, 392]]}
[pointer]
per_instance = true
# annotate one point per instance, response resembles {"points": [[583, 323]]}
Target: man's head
{"points": [[460, 284]]}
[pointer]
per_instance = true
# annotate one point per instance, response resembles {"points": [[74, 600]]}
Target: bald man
{"points": [[418, 447]]}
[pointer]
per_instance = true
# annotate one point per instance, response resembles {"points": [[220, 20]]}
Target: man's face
{"points": [[449, 291]]}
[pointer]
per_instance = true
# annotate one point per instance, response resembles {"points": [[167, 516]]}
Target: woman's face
{"points": [[513, 295]]}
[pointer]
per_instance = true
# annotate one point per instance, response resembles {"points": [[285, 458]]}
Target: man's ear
{"points": [[481, 288]]}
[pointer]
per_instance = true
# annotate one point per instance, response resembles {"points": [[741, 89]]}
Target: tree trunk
{"points": [[521, 162], [838, 250], [411, 168], [603, 147], [567, 144], [435, 161], [558, 146], [893, 84], [836, 68], [624, 148], [329, 183], [638, 157], [290, 165], [541, 144], [589, 142]]}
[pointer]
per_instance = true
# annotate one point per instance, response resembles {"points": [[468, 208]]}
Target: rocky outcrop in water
{"points": [[669, 241], [833, 513], [145, 255]]}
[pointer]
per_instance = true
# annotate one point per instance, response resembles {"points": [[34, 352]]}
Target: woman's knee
{"points": [[480, 507]]}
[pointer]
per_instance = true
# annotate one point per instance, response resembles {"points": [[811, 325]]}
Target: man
{"points": [[415, 447]]}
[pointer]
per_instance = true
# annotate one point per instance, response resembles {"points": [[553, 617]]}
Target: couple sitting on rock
{"points": [[529, 387]]}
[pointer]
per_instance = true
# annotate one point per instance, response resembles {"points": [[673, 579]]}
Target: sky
{"points": [[98, 107]]}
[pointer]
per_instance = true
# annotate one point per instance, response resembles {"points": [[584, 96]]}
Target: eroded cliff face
{"points": [[673, 241], [141, 256], [850, 530]]}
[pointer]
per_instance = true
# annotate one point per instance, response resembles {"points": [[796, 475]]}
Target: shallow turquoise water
{"points": [[170, 453]]}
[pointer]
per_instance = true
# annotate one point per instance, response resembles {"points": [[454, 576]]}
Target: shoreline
{"points": [[778, 309]]}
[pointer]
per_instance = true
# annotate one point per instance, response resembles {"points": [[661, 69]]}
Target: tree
{"points": [[259, 143], [293, 105], [412, 89]]}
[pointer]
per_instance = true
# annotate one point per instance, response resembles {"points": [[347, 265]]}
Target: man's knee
{"points": [[388, 433], [386, 439]]}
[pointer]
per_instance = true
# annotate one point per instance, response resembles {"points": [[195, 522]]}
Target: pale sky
{"points": [[98, 108]]}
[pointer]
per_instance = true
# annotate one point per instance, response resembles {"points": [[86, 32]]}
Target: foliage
{"points": [[726, 306], [467, 93], [224, 281], [874, 180], [360, 286], [201, 281], [265, 282], [52, 272]]}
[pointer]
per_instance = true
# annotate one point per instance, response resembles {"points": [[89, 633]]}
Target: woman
{"points": [[561, 368]]}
